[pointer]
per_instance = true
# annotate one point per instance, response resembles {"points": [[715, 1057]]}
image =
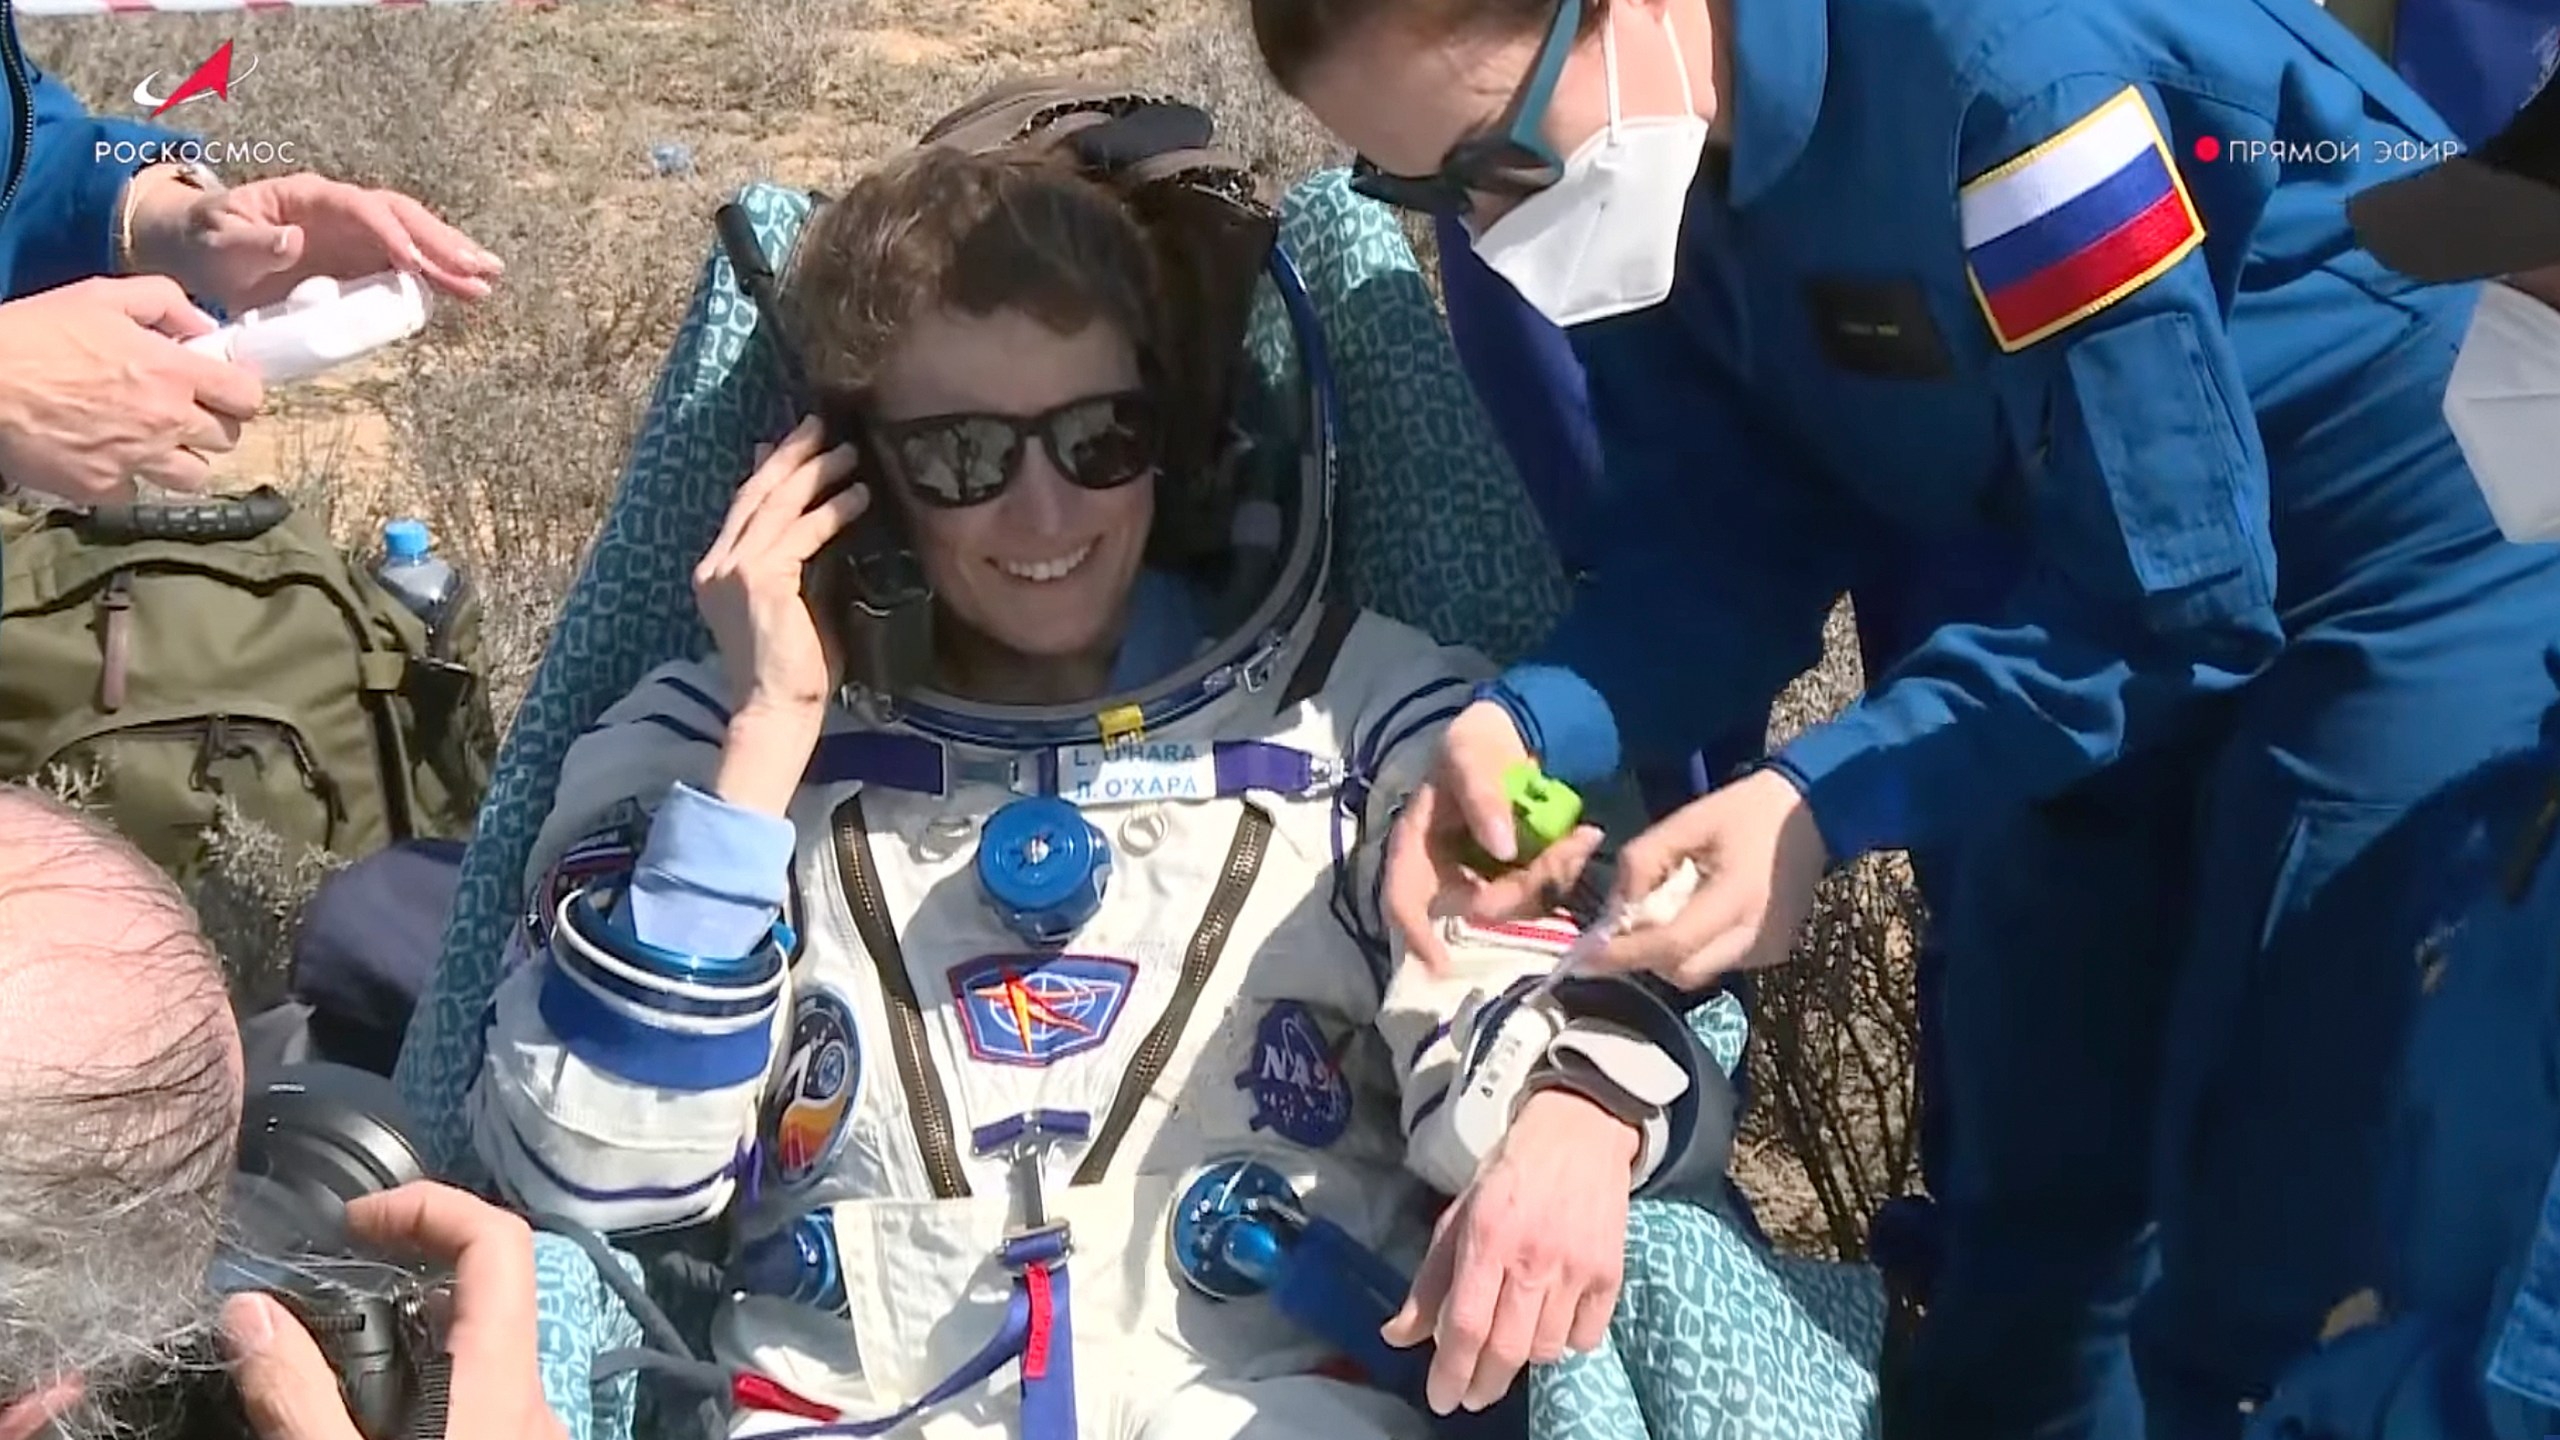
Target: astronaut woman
{"points": [[946, 1063]]}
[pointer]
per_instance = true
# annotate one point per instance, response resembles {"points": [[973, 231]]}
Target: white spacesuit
{"points": [[1024, 993]]}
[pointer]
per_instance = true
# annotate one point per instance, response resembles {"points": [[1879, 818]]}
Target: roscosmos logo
{"points": [[212, 79]]}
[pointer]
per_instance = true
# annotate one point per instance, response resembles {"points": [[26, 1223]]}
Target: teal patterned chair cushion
{"points": [[1716, 1339], [578, 1317]]}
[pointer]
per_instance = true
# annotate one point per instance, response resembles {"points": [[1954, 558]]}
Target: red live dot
{"points": [[2208, 149]]}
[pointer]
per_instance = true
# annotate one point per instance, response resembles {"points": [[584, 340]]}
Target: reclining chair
{"points": [[1716, 1337]]}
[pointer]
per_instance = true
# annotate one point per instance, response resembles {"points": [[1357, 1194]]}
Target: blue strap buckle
{"points": [[1025, 1139], [1049, 1244]]}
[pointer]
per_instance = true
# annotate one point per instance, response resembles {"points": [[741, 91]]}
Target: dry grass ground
{"points": [[535, 128]]}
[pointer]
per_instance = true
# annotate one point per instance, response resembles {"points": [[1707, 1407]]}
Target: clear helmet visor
{"points": [[1244, 543]]}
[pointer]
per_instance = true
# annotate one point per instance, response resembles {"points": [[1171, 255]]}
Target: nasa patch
{"points": [[1034, 1011], [1299, 1091], [813, 1106]]}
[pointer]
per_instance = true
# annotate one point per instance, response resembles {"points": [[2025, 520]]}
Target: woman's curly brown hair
{"points": [[944, 229]]}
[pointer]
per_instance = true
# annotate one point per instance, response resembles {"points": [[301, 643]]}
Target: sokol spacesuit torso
{"points": [[867, 1108]]}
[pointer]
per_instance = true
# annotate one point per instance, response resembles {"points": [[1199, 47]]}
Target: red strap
{"points": [[755, 1392], [1035, 1347], [1344, 1369]]}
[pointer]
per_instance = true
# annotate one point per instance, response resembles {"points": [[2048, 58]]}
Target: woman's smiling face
{"points": [[1043, 569]]}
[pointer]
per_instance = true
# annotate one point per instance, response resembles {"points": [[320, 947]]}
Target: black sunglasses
{"points": [[1100, 442], [1515, 161]]}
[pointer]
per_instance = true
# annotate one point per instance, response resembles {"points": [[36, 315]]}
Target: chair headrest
{"points": [[1211, 228]]}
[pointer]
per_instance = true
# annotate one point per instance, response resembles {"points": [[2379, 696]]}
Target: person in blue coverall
{"points": [[2475, 61], [2457, 1336], [1852, 283], [112, 234]]}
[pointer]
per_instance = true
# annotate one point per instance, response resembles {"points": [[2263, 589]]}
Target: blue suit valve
{"points": [[1251, 1246], [1233, 1228], [1043, 868], [798, 1263]]}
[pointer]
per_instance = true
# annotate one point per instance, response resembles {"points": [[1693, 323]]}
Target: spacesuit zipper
{"points": [[931, 1114], [1244, 862], [22, 105]]}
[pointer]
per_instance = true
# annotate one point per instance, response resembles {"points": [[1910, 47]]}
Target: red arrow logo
{"points": [[213, 77]]}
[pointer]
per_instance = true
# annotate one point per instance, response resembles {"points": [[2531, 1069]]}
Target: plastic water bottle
{"points": [[412, 571]]}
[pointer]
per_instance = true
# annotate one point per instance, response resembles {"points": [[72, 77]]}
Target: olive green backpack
{"points": [[157, 659]]}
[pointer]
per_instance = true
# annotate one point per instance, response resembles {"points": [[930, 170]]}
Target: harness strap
{"points": [[1048, 1339], [1341, 1290], [1007, 1345], [1333, 626], [1036, 1333]]}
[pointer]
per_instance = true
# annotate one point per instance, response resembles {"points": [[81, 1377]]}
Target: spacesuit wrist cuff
{"points": [[1576, 1077], [1561, 719], [656, 1017], [1853, 785]]}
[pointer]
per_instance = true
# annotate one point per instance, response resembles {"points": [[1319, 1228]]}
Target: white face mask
{"points": [[2503, 403], [1605, 238]]}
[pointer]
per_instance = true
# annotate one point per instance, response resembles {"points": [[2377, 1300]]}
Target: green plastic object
{"points": [[1544, 810]]}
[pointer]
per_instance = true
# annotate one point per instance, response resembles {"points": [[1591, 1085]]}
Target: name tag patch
{"points": [[1136, 771], [1878, 327]]}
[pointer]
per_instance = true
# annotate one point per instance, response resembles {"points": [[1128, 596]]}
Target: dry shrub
{"points": [[1207, 57], [412, 101], [250, 895], [513, 431], [251, 899], [1834, 1130]]}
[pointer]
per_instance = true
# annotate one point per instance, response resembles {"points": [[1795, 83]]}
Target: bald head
{"points": [[119, 1103], [101, 961]]}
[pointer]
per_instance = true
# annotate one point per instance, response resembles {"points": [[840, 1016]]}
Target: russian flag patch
{"points": [[2076, 224]]}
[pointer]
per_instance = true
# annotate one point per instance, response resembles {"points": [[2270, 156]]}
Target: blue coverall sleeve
{"points": [[1717, 561], [62, 225], [2152, 575]]}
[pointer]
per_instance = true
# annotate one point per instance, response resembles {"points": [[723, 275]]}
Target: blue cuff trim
{"points": [[622, 1045], [1860, 800], [1524, 721], [606, 924], [1562, 719], [712, 877]]}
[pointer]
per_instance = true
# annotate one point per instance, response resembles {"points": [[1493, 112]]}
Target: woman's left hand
{"points": [[1758, 855], [251, 244], [1524, 1268]]}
